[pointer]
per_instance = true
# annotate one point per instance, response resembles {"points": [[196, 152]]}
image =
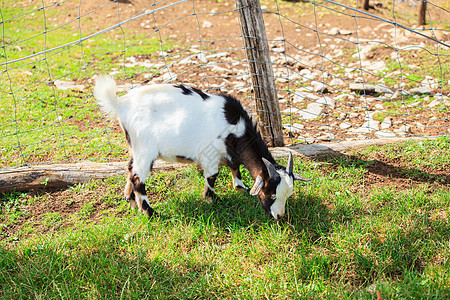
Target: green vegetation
{"points": [[348, 234], [40, 122]]}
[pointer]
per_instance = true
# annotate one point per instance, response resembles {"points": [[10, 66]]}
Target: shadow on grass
{"points": [[384, 168], [42, 272], [235, 212]]}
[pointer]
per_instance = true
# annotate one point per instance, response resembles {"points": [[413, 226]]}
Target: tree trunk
{"points": [[263, 80]]}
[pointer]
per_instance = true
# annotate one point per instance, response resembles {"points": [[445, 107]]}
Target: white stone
{"points": [[345, 32], [319, 87], [202, 57], [387, 122], [337, 82], [305, 72], [420, 91], [383, 134], [435, 102], [345, 125], [290, 110], [299, 96], [295, 128], [367, 127], [66, 85], [325, 100], [207, 24], [312, 111]]}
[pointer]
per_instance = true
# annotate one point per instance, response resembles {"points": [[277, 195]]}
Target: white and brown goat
{"points": [[179, 123]]}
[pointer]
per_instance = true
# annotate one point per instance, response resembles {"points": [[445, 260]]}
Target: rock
{"points": [[202, 57], [305, 72], [169, 76], [300, 96], [363, 88], [367, 127], [387, 122], [345, 125], [403, 130], [325, 100], [379, 106], [337, 82], [333, 31], [295, 128], [384, 134], [290, 110], [207, 24], [221, 70], [345, 32], [66, 85], [420, 91], [319, 87], [326, 137], [382, 89], [312, 111]]}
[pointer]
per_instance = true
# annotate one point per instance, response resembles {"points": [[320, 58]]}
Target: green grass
{"points": [[42, 123], [345, 236]]}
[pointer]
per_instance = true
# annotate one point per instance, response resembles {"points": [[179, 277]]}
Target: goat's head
{"points": [[274, 191]]}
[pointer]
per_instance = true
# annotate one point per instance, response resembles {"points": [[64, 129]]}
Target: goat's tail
{"points": [[105, 92]]}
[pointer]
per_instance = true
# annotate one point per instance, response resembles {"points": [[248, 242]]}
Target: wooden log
{"points": [[60, 176], [422, 12], [262, 76]]}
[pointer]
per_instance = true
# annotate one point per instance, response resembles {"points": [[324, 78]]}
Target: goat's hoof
{"points": [[209, 199], [132, 202], [150, 212]]}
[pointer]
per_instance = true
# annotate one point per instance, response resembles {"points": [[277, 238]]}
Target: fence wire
{"points": [[341, 73]]}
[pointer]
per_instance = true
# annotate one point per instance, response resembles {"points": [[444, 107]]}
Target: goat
{"points": [[177, 123]]}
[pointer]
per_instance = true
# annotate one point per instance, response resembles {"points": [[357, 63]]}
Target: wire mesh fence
{"points": [[341, 73]]}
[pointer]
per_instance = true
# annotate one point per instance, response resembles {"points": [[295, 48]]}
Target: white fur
{"points": [[284, 189], [163, 122]]}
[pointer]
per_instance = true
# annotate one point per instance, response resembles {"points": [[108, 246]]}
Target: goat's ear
{"points": [[259, 183], [298, 177]]}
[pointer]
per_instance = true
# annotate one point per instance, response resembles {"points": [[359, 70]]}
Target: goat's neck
{"points": [[252, 159]]}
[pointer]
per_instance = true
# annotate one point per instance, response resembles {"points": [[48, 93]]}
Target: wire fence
{"points": [[341, 73]]}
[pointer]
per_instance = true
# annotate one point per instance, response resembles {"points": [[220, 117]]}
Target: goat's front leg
{"points": [[236, 177]]}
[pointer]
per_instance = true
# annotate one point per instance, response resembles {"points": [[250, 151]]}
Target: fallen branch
{"points": [[59, 176]]}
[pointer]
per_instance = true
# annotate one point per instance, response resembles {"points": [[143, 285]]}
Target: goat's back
{"points": [[176, 120]]}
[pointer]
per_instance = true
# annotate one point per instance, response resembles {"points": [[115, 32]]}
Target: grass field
{"points": [[372, 222]]}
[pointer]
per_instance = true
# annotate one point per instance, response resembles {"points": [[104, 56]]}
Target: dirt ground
{"points": [[299, 39]]}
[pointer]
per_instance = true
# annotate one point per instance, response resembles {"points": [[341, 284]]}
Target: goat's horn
{"points": [[290, 164], [270, 168]]}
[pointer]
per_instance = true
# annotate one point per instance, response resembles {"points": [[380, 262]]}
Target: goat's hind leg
{"points": [[128, 191], [135, 189]]}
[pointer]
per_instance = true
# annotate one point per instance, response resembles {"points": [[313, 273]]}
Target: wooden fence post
{"points": [[263, 79], [365, 4], [422, 12]]}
